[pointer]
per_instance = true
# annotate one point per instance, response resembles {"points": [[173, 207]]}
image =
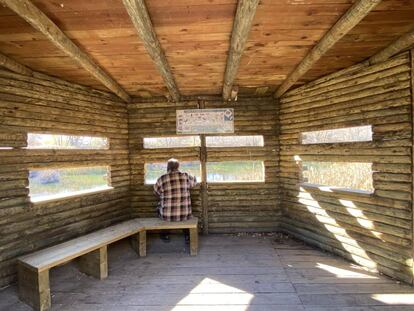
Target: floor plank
{"points": [[231, 272]]}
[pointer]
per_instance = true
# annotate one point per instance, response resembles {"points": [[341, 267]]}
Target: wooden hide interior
{"points": [[121, 69]]}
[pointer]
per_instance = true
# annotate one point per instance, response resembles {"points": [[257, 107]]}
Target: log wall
{"points": [[372, 229], [232, 207], [43, 104]]}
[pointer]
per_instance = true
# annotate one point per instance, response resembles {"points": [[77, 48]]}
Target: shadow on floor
{"points": [[231, 272]]}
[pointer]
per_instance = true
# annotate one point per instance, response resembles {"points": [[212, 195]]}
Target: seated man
{"points": [[173, 192]]}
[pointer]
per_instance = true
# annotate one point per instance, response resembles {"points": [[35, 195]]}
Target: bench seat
{"points": [[91, 251]]}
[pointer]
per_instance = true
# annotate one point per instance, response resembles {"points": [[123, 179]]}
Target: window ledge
{"points": [[71, 195], [337, 189], [236, 182]]}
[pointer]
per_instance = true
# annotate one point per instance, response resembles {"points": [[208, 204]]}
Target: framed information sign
{"points": [[205, 121]]}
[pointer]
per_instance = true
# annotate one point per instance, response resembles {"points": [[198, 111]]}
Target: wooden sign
{"points": [[205, 121]]}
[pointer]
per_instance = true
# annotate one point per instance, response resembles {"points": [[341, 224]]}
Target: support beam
{"points": [[29, 12], [402, 43], [14, 66], [348, 21], [412, 160], [138, 13], [246, 10]]}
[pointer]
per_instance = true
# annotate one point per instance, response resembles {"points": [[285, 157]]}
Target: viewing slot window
{"points": [[154, 170], [52, 141], [47, 184], [342, 135], [171, 142], [345, 175], [235, 141], [235, 171]]}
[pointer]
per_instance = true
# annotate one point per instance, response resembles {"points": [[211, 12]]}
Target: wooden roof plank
{"points": [[348, 21], [246, 10], [138, 13], [29, 12]]}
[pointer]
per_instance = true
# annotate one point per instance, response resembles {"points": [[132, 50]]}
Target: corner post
{"points": [[412, 161], [204, 185]]}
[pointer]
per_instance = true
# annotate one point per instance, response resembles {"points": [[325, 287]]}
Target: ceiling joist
{"points": [[14, 66], [402, 43], [138, 13], [348, 21], [29, 12], [246, 9]]}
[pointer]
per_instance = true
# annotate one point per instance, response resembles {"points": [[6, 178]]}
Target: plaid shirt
{"points": [[173, 190]]}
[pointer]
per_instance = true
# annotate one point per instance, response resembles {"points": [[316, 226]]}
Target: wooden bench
{"points": [[91, 250]]}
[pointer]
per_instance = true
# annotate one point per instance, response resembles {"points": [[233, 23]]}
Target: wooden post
{"points": [[193, 241], [95, 263], [412, 162], [204, 185], [34, 288]]}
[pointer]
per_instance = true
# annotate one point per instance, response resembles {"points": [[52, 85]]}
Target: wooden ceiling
{"points": [[195, 36]]}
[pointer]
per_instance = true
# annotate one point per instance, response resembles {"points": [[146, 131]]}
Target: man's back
{"points": [[174, 192]]}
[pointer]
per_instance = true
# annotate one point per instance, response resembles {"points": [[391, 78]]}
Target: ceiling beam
{"points": [[246, 9], [348, 21], [138, 13], [14, 66], [402, 43], [29, 12]]}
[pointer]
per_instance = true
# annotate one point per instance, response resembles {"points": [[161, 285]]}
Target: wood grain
{"points": [[241, 28], [353, 225], [348, 21], [138, 13], [29, 12]]}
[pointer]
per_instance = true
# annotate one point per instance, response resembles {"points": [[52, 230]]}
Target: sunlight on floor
{"points": [[213, 293], [343, 273], [348, 243], [394, 299]]}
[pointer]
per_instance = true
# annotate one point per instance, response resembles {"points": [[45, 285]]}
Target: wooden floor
{"points": [[230, 273]]}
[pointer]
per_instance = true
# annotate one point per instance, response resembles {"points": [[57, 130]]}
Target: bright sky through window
{"points": [[56, 141], [342, 135], [235, 141], [171, 142]]}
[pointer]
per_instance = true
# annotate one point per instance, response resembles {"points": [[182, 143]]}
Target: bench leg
{"points": [[95, 263], [34, 288], [193, 241], [139, 243], [143, 243]]}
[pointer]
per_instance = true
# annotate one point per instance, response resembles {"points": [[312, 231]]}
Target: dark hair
{"points": [[172, 165]]}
